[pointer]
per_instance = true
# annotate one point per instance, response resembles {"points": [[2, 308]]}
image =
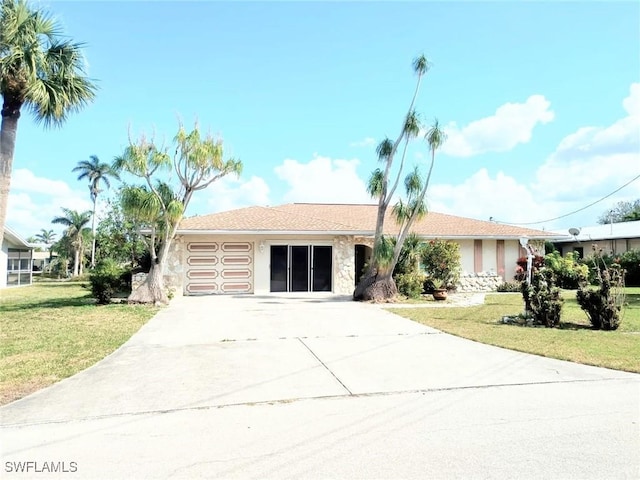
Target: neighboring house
{"points": [[41, 259], [304, 247], [16, 260], [612, 238]]}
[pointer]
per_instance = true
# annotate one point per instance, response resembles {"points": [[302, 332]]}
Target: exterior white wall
{"points": [[3, 263], [511, 255], [466, 255], [489, 263]]}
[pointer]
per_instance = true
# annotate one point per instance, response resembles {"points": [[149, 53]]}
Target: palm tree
{"points": [[96, 173], [40, 70], [48, 237], [76, 224]]}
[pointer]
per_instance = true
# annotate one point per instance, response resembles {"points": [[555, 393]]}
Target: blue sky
{"points": [[541, 101]]}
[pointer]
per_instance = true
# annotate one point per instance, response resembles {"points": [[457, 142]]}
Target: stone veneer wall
{"points": [[479, 282], [173, 273], [344, 265]]}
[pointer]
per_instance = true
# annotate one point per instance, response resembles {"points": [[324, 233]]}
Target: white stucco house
{"points": [[305, 247], [16, 260], [612, 238]]}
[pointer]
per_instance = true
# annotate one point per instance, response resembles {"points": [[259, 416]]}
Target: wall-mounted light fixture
{"points": [[261, 246]]}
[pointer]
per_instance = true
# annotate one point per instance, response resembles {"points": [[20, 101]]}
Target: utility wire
{"points": [[575, 211]]}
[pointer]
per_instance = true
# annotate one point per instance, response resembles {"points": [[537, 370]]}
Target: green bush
{"points": [[630, 262], [542, 298], [107, 279], [441, 259], [410, 284], [509, 287], [567, 270], [603, 305]]}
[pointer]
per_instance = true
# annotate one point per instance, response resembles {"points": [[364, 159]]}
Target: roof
{"points": [[15, 239], [355, 219], [607, 231]]}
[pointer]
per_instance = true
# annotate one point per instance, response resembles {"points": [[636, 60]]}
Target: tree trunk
{"points": [[93, 233], [152, 289], [76, 261], [8, 129], [376, 288]]}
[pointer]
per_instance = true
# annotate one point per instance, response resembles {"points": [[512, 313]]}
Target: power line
{"points": [[575, 211]]}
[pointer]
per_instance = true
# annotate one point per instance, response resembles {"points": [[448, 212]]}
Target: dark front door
{"points": [[301, 268], [279, 268], [322, 264], [299, 256]]}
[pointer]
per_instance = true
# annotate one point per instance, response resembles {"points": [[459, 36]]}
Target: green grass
{"points": [[574, 340], [51, 330]]}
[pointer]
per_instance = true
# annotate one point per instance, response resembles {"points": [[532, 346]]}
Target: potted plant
{"points": [[439, 289]]}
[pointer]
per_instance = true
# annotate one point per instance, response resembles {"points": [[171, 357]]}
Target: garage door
{"points": [[219, 267]]}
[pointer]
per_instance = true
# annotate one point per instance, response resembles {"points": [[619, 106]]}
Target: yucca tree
{"points": [[97, 173], [377, 282], [39, 70], [198, 161], [416, 189], [76, 223]]}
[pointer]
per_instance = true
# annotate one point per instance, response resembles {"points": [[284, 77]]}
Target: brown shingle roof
{"points": [[356, 218]]}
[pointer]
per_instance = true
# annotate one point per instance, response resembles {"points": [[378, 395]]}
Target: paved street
{"points": [[320, 387]]}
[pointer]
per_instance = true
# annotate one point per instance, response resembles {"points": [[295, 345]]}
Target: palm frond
{"points": [[435, 136], [384, 149], [421, 65], [375, 186]]}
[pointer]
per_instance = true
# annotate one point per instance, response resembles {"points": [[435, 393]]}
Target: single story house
{"points": [[16, 260], [307, 247], [612, 238]]}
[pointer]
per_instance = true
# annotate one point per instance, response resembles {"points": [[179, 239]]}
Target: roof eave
{"points": [[273, 232], [15, 239]]}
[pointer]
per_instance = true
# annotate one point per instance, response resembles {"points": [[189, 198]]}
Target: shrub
{"points": [[441, 259], [410, 284], [106, 280], [603, 305], [542, 298], [568, 270], [630, 262], [509, 287]]}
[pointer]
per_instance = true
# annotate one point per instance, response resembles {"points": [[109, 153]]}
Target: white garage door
{"points": [[219, 267]]}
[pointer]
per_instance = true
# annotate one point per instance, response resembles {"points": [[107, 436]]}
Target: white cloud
{"points": [[25, 181], [323, 180], [587, 165], [230, 193], [481, 196], [34, 201], [366, 142], [512, 124], [595, 160]]}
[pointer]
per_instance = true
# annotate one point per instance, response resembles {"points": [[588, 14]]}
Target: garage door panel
{"points": [[219, 267]]}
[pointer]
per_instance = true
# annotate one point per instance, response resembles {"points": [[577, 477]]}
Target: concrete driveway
{"points": [[321, 387]]}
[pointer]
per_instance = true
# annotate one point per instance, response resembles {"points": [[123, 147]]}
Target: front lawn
{"points": [[573, 341], [51, 330]]}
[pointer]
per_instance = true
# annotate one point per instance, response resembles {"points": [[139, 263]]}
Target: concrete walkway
{"points": [[322, 387]]}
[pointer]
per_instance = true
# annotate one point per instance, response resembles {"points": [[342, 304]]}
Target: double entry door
{"points": [[301, 268]]}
